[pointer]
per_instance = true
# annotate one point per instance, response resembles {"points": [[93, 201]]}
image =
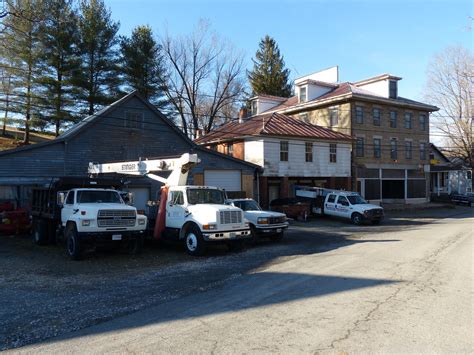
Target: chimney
{"points": [[242, 114]]}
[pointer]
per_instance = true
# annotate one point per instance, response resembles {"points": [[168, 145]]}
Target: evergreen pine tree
{"points": [[58, 60], [269, 75], [97, 80], [142, 65], [20, 39]]}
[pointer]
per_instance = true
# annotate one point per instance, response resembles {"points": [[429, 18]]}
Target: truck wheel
{"points": [[356, 218], [40, 235], [195, 244], [253, 233], [134, 246], [277, 237], [73, 244]]}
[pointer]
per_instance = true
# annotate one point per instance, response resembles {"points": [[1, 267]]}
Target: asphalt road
{"points": [[402, 288]]}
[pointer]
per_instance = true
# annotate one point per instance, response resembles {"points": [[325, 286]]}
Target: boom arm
{"points": [[179, 168]]}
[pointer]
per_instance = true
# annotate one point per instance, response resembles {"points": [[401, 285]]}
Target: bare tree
{"points": [[450, 86], [205, 79]]}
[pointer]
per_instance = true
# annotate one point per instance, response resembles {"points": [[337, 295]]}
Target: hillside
{"points": [[14, 138]]}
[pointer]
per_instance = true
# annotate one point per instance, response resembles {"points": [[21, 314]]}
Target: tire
{"points": [[277, 237], [356, 218], [40, 232], [253, 232], [236, 245], [73, 244], [194, 242], [134, 246]]}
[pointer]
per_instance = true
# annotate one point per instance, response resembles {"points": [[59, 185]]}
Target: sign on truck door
{"points": [[330, 205], [342, 207]]}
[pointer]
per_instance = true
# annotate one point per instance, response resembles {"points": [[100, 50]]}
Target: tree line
{"points": [[63, 59]]}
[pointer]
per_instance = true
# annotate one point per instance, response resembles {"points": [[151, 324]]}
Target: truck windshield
{"points": [[356, 200], [90, 196], [200, 196], [249, 205]]}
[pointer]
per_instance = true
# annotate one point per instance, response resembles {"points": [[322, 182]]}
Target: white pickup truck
{"points": [[342, 204], [99, 216], [262, 223]]}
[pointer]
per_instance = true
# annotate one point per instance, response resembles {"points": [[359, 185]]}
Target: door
{"points": [[230, 180], [343, 207], [175, 209], [68, 207], [330, 205]]}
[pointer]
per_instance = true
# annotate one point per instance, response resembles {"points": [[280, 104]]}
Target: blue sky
{"points": [[364, 38]]}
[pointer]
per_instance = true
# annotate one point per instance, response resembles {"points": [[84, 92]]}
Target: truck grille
{"points": [[228, 217], [116, 213], [116, 222]]}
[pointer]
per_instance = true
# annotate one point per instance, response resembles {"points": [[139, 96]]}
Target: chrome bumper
{"points": [[227, 235]]}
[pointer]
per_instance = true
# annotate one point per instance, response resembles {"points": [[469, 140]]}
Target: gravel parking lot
{"points": [[44, 294]]}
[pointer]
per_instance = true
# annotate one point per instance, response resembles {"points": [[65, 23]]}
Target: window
{"points": [[408, 117], [230, 149], [359, 114], [332, 198], [376, 116], [393, 119], [308, 151], [177, 198], [408, 146], [422, 118], [332, 153], [342, 200], [284, 151], [254, 107], [422, 151], [359, 147], [334, 116], [469, 174], [377, 147], [393, 149], [133, 119], [392, 89], [70, 198], [303, 94]]}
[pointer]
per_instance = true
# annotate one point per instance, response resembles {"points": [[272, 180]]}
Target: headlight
{"points": [[247, 225], [208, 227], [141, 221], [262, 220], [86, 222]]}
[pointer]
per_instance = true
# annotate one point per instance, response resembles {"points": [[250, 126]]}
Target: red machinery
{"points": [[13, 221]]}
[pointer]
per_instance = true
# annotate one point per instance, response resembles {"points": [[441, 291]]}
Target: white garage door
{"points": [[230, 180]]}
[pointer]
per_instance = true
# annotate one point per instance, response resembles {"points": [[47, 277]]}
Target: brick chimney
{"points": [[242, 114]]}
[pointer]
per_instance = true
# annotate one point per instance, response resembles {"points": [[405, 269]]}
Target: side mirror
{"points": [[130, 197], [60, 198]]}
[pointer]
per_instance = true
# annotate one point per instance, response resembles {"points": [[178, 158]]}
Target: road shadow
{"points": [[249, 292]]}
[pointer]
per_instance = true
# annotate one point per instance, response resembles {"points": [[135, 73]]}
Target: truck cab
{"points": [[262, 223], [350, 205], [98, 216], [199, 216]]}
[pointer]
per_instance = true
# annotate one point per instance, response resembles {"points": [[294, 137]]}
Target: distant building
{"points": [[390, 150]]}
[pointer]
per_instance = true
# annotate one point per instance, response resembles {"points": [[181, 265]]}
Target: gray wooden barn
{"points": [[128, 129]]}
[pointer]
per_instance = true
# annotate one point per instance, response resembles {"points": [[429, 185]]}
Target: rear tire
{"points": [[194, 242], [73, 244], [356, 218], [40, 231]]}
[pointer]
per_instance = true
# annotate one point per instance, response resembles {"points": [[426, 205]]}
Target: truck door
{"points": [[68, 207], [175, 210], [330, 205], [343, 207]]}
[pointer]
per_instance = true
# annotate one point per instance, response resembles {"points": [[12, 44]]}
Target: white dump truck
{"points": [[343, 204], [85, 214], [196, 215]]}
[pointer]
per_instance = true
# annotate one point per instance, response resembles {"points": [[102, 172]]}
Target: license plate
{"points": [[278, 230], [116, 236]]}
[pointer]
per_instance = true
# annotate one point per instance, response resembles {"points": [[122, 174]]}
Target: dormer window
{"points": [[392, 89], [303, 95], [253, 108]]}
